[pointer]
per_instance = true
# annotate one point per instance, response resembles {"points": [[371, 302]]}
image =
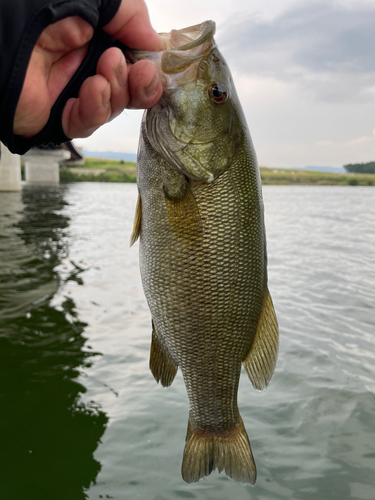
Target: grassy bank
{"points": [[101, 170], [304, 177]]}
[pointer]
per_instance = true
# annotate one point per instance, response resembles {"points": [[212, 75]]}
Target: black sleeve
{"points": [[21, 23]]}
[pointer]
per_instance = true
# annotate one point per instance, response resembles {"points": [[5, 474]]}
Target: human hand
{"points": [[58, 53]]}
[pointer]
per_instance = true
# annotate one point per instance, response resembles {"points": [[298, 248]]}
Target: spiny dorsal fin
{"points": [[183, 214], [261, 360], [162, 367], [137, 221], [228, 451]]}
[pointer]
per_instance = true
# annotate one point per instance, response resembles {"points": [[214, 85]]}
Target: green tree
{"points": [[361, 168]]}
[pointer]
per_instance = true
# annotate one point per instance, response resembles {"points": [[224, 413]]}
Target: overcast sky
{"points": [[304, 71]]}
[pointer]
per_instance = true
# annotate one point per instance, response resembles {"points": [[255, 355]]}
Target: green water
{"points": [[81, 416]]}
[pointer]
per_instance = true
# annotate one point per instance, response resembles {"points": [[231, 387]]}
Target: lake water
{"points": [[81, 415]]}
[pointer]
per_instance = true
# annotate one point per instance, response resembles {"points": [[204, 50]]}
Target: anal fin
{"points": [[261, 360], [162, 367], [137, 221]]}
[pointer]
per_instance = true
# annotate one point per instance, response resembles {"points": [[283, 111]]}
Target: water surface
{"points": [[81, 414]]}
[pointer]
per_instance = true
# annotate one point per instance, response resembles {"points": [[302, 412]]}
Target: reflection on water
{"points": [[47, 434]]}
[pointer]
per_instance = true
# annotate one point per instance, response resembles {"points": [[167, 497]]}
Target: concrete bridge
{"points": [[42, 165]]}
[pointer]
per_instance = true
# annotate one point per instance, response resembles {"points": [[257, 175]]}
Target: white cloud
{"points": [[361, 141], [323, 153], [358, 150]]}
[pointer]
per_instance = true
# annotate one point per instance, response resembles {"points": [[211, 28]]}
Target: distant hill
{"points": [[110, 155]]}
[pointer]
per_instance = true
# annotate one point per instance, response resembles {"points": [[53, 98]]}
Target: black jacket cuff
{"points": [[21, 23]]}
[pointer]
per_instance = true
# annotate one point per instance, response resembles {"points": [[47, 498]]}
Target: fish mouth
{"points": [[186, 39], [183, 51], [189, 38]]}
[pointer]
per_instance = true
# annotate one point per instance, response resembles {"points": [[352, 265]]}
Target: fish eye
{"points": [[218, 93]]}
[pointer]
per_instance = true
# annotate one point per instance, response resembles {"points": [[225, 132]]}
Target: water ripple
{"points": [[311, 431]]}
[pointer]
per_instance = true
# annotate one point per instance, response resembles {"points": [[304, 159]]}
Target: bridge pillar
{"points": [[10, 170], [42, 165]]}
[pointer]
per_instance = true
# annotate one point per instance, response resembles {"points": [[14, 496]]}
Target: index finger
{"points": [[131, 26]]}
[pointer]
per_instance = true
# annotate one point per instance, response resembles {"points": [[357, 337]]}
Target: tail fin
{"points": [[229, 451]]}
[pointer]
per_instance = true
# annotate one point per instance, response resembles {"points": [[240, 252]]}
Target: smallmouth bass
{"points": [[203, 258]]}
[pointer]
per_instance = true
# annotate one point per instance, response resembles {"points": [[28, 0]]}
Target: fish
{"points": [[203, 261]]}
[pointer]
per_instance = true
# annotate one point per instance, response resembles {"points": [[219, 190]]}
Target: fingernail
{"points": [[152, 87], [121, 75]]}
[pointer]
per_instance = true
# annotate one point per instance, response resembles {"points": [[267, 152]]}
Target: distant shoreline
{"points": [[283, 176], [102, 170]]}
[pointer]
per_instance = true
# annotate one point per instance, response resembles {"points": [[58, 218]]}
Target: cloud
{"points": [[360, 141], [326, 47], [326, 152], [356, 150]]}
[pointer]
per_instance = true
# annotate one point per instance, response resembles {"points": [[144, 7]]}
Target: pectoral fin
{"points": [[261, 360], [162, 367], [137, 222], [183, 214]]}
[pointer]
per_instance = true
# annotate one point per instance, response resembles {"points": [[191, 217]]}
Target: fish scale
{"points": [[203, 254]]}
